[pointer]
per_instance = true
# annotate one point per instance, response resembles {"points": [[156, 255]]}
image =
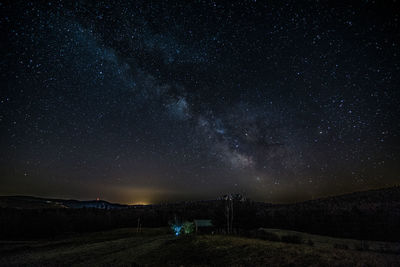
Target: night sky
{"points": [[145, 102]]}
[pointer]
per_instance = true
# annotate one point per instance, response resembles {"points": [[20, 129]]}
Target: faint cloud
{"points": [[179, 108]]}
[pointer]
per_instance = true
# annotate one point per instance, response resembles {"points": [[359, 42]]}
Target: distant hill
{"points": [[370, 201], [373, 214], [28, 202]]}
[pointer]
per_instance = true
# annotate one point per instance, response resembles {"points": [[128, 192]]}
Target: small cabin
{"points": [[204, 226]]}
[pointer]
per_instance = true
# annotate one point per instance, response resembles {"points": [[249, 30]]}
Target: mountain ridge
{"points": [[25, 201]]}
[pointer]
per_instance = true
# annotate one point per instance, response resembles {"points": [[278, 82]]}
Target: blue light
{"points": [[177, 229]]}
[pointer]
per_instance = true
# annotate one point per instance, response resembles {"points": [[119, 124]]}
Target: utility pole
{"points": [[229, 213], [139, 226], [231, 224]]}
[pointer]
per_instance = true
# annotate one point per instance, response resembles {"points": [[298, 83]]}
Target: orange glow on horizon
{"points": [[140, 203]]}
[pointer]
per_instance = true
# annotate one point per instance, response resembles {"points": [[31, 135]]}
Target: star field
{"points": [[146, 102]]}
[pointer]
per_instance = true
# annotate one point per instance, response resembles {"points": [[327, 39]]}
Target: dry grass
{"points": [[333, 242], [155, 247]]}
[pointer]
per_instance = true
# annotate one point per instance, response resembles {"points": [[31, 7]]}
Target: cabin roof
{"points": [[203, 223]]}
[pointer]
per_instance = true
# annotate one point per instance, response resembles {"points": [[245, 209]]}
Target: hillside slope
{"points": [[28, 202], [155, 247], [373, 214]]}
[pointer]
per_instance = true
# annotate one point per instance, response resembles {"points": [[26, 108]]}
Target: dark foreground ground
{"points": [[158, 247]]}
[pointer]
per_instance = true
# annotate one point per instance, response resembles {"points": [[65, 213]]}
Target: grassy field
{"points": [[332, 242], [158, 247]]}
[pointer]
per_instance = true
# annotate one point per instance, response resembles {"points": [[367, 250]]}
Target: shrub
{"points": [[295, 239], [310, 242], [362, 246], [264, 235], [188, 227], [341, 246]]}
